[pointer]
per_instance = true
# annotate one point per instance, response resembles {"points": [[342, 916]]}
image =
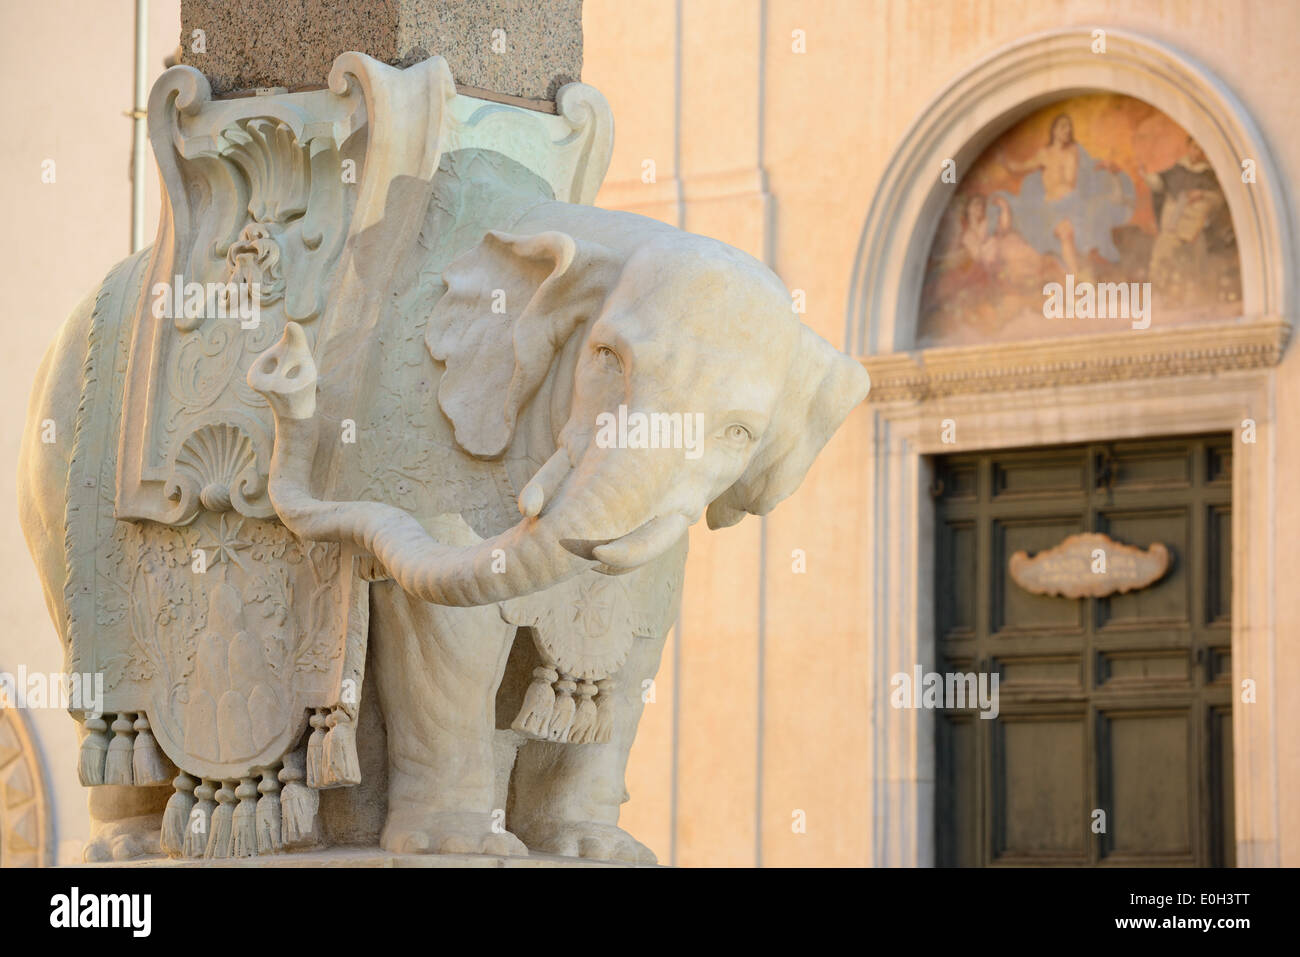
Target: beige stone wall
{"points": [[762, 708]]}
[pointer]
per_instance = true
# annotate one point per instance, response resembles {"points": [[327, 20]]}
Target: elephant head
{"points": [[693, 389]]}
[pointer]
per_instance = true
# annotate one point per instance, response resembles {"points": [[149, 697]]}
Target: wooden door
{"points": [[1120, 705]]}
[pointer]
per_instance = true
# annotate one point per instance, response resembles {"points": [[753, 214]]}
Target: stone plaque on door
{"points": [[1089, 565]]}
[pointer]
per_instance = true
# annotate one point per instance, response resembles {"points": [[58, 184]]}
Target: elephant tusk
{"points": [[647, 542], [542, 486]]}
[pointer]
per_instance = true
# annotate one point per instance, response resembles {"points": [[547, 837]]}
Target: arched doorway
{"points": [[1165, 383]]}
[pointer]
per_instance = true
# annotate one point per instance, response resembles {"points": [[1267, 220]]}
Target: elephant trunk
{"points": [[522, 559], [538, 552], [525, 558]]}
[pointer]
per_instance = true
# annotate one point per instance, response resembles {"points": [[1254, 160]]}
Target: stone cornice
{"points": [[1075, 360]]}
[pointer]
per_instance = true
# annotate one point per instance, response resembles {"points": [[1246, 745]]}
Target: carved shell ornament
{"points": [[217, 468], [1089, 565], [276, 166]]}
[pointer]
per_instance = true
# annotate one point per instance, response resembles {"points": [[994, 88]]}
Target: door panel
{"points": [[1167, 601], [1116, 709], [1147, 782], [1040, 786]]}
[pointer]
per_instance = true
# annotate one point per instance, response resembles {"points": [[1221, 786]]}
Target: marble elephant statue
{"points": [[610, 318], [545, 420]]}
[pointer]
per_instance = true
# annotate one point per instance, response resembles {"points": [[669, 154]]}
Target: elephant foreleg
{"points": [[438, 669], [566, 797]]}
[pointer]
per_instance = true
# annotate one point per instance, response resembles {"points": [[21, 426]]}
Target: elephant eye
{"points": [[609, 358], [738, 433]]}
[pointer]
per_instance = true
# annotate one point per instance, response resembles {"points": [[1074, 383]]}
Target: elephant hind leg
{"points": [[126, 823]]}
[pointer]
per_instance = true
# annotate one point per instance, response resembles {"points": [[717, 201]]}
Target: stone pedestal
{"points": [[373, 857], [510, 48]]}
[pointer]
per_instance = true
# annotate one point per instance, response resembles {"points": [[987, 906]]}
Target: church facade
{"points": [[931, 180]]}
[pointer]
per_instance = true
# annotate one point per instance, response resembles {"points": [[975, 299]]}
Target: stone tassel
{"points": [[117, 766], [221, 840], [339, 764], [298, 804], [539, 702], [315, 750], [177, 816], [604, 712], [562, 716], [200, 824], [244, 843], [94, 751], [583, 728], [268, 814], [148, 766]]}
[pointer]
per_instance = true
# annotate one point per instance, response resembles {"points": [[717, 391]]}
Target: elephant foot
{"points": [[448, 832], [588, 839], [124, 840]]}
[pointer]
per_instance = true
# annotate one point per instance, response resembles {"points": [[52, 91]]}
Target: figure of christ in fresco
{"points": [[1068, 202]]}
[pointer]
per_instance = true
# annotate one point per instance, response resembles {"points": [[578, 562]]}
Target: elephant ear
{"points": [[822, 387], [511, 304]]}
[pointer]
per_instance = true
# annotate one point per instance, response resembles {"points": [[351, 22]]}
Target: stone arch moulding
{"points": [[25, 831], [975, 109]]}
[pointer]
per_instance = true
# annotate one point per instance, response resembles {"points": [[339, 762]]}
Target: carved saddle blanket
{"points": [[220, 631]]}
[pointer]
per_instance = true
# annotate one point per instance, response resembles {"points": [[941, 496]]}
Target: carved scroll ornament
{"points": [[1089, 565]]}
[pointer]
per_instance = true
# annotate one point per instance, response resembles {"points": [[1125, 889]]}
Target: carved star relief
{"points": [[592, 608], [582, 626], [227, 542]]}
